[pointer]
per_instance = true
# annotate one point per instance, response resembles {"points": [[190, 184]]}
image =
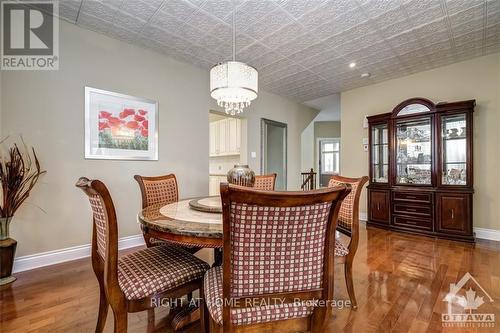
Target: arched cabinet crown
{"points": [[421, 170], [413, 106]]}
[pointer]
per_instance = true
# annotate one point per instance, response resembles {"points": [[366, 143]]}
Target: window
{"points": [[330, 156]]}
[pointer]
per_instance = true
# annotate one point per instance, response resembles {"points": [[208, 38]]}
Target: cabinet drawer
{"points": [[411, 196], [412, 209], [405, 221]]}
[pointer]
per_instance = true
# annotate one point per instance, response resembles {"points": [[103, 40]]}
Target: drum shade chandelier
{"points": [[233, 84]]}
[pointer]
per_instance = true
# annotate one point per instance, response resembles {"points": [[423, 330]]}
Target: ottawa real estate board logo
{"points": [[29, 35], [464, 303]]}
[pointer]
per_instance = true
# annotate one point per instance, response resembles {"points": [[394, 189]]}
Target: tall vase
{"points": [[7, 252], [242, 175]]}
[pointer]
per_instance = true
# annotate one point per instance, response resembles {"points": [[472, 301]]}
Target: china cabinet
{"points": [[421, 177]]}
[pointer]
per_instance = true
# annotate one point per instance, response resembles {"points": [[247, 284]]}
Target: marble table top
{"points": [[179, 218]]}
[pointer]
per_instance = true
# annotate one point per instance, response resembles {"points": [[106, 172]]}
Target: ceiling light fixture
{"points": [[233, 84], [352, 65], [365, 75]]}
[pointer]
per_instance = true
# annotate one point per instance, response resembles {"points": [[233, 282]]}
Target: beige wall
{"points": [[477, 79], [47, 108]]}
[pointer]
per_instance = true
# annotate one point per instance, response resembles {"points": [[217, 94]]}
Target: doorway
{"points": [[274, 151], [329, 159], [227, 147]]}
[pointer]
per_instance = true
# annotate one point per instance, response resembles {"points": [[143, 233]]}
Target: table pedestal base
{"points": [[188, 315]]}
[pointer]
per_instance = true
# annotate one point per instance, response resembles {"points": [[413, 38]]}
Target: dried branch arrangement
{"points": [[19, 173]]}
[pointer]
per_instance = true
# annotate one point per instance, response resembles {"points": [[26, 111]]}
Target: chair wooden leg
{"points": [[151, 320], [350, 284], [318, 320], [121, 320], [103, 311], [204, 314], [145, 234]]}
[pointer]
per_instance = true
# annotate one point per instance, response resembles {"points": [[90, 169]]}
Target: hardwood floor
{"points": [[400, 281]]}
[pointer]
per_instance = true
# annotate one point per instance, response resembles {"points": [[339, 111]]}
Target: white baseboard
{"points": [[71, 253], [490, 234], [363, 216]]}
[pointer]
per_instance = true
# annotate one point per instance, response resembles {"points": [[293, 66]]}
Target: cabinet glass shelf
{"points": [[380, 153], [413, 157], [454, 149]]}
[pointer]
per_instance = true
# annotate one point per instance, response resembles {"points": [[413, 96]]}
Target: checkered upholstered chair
{"points": [[265, 182], [159, 190], [277, 245], [139, 280], [348, 225]]}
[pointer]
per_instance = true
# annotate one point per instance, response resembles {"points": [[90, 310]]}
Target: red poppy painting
{"points": [[121, 126]]}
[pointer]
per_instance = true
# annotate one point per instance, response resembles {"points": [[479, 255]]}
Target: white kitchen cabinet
{"points": [[225, 137], [214, 184], [213, 139]]}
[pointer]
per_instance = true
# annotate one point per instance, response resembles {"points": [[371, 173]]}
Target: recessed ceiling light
{"points": [[352, 65], [365, 75]]}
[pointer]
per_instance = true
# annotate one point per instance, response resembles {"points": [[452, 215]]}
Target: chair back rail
{"points": [[158, 189], [349, 211], [104, 251], [265, 182], [313, 211]]}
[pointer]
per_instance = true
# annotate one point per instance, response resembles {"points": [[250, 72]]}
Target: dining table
{"points": [[194, 223]]}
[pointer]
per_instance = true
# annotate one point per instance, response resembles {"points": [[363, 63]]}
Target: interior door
{"points": [[274, 151]]}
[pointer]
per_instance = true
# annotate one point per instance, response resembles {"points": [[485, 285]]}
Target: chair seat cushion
{"points": [[157, 269], [340, 249], [247, 316]]}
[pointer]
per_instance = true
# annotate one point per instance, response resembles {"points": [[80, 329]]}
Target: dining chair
{"points": [[348, 225], [158, 190], [265, 182], [278, 258], [139, 280]]}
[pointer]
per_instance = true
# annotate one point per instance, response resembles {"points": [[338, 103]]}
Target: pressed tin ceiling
{"points": [[303, 48]]}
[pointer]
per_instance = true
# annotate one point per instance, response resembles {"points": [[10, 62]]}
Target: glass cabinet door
{"points": [[380, 153], [454, 149], [414, 151]]}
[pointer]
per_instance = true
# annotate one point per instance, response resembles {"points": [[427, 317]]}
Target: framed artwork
{"points": [[120, 127]]}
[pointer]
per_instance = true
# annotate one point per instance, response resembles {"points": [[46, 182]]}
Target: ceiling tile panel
{"points": [[218, 8], [139, 9], [455, 6], [283, 35], [467, 15], [202, 21], [275, 20], [376, 8], [327, 12], [251, 52], [298, 8], [180, 9], [414, 7], [124, 20], [99, 10]]}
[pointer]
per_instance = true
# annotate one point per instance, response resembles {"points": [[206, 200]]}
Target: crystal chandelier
{"points": [[233, 84]]}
